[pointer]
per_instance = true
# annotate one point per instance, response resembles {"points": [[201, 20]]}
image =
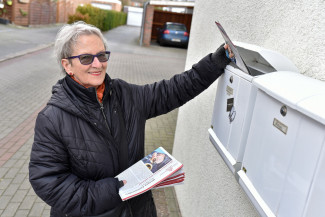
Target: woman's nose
{"points": [[96, 63]]}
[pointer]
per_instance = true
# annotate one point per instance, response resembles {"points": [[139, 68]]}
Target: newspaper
{"points": [[156, 170], [239, 61]]}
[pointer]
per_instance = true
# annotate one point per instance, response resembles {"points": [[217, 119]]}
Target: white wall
{"points": [[294, 28], [134, 17]]}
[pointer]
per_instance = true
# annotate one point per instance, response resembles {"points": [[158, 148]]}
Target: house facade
{"points": [[294, 29], [43, 12]]}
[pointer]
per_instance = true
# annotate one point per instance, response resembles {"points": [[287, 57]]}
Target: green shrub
{"points": [[78, 17], [103, 19]]}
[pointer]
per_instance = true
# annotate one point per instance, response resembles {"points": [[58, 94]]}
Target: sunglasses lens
{"points": [[86, 59], [102, 57]]}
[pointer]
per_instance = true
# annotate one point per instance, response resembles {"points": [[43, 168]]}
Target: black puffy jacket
{"points": [[74, 157]]}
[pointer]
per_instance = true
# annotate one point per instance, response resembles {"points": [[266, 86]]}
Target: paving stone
{"points": [[11, 190], [25, 184], [19, 163], [174, 214], [18, 154], [11, 173], [3, 171], [20, 178], [24, 168], [24, 213], [4, 200], [172, 206], [46, 212], [28, 202], [4, 183], [10, 210], [37, 209], [169, 193], [39, 200], [31, 191], [19, 196]]}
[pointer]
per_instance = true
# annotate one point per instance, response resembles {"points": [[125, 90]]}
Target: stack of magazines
{"points": [[159, 169]]}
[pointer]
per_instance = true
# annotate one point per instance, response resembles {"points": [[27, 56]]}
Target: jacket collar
{"points": [[72, 97]]}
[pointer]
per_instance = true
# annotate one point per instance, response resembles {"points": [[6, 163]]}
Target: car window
{"points": [[176, 27]]}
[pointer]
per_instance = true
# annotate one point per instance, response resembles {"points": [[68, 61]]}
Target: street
{"points": [[25, 87]]}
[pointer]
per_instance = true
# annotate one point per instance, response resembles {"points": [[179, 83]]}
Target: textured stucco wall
{"points": [[294, 28]]}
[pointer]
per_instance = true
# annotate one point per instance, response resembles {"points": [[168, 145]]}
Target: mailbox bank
{"points": [[269, 127]]}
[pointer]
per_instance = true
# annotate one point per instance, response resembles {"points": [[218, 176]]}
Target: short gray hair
{"points": [[68, 36]]}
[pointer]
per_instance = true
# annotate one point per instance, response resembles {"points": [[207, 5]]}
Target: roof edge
{"points": [[172, 3]]}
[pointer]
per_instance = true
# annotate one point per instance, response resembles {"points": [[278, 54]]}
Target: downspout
{"points": [[144, 13]]}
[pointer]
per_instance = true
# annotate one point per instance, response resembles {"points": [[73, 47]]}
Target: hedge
{"points": [[103, 19]]}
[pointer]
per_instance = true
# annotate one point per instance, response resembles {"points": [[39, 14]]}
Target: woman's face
{"points": [[91, 75], [160, 158]]}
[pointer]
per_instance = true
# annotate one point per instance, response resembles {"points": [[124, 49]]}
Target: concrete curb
{"points": [[28, 51]]}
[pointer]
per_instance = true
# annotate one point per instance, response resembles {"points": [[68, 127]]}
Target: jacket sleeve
{"points": [[52, 181], [166, 95]]}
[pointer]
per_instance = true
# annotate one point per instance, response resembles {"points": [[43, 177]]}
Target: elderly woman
{"points": [[93, 126]]}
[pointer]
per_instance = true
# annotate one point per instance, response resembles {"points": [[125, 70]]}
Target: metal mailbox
{"points": [[235, 99], [284, 158]]}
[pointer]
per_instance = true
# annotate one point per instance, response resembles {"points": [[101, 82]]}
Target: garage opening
{"points": [[155, 15], [161, 17]]}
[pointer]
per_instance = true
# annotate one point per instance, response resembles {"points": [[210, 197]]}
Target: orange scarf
{"points": [[100, 89]]}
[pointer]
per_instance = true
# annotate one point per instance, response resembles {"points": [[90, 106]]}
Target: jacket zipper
{"points": [[105, 119], [103, 113]]}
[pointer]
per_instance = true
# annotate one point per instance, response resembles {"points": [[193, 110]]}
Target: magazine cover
{"points": [[154, 169], [239, 61]]}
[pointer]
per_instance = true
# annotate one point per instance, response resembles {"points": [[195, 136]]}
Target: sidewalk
{"points": [[17, 41], [129, 62]]}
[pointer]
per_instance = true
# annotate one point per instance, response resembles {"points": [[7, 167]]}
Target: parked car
{"points": [[173, 34]]}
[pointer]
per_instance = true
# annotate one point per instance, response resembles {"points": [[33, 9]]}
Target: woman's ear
{"points": [[67, 66]]}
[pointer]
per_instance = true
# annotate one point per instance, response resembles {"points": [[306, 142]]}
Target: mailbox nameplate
{"points": [[280, 126]]}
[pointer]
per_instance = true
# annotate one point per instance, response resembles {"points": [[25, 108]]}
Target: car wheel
{"points": [[162, 43]]}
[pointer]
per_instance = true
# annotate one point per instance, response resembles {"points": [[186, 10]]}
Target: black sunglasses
{"points": [[86, 59]]}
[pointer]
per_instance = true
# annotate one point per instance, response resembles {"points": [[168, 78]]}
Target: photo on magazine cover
{"points": [[156, 160]]}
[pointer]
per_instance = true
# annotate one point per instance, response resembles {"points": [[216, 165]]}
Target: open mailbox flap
{"points": [[302, 93], [260, 61]]}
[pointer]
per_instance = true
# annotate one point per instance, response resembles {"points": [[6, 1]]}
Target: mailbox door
{"points": [[305, 157], [269, 148], [315, 203], [231, 110]]}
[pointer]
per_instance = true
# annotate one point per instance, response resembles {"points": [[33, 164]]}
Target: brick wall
{"points": [[17, 14], [7, 11], [148, 25], [116, 7], [35, 12], [42, 12]]}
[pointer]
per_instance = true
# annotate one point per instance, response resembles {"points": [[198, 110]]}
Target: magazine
{"points": [[157, 170], [239, 61]]}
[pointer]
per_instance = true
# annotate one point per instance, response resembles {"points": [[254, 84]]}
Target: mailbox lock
{"points": [[283, 110], [231, 79]]}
